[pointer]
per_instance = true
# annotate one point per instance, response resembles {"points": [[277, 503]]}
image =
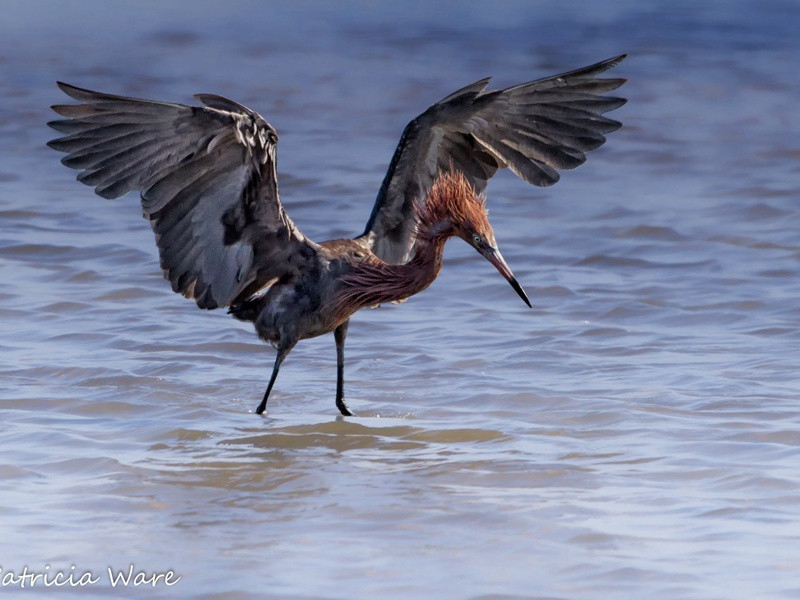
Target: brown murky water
{"points": [[636, 435]]}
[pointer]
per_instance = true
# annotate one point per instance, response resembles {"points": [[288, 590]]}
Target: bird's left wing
{"points": [[535, 129], [208, 182]]}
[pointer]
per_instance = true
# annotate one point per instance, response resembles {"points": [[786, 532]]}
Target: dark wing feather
{"points": [[535, 129], [208, 186]]}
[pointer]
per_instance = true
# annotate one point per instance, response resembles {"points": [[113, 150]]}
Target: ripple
{"points": [[653, 232], [635, 435]]}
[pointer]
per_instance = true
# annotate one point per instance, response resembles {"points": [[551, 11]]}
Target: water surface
{"points": [[634, 436]]}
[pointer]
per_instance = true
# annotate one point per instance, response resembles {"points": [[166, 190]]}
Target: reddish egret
{"points": [[208, 182]]}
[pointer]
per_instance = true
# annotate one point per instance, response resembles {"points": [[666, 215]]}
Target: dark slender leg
{"points": [[339, 334], [278, 360]]}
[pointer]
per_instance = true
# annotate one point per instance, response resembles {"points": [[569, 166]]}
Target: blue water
{"points": [[634, 436]]}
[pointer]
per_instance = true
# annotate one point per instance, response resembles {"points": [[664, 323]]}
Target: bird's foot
{"points": [[343, 408]]}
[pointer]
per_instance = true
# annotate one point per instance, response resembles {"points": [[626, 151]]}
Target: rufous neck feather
{"points": [[452, 201]]}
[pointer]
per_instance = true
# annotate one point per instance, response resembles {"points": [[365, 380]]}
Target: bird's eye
{"points": [[476, 238], [273, 137]]}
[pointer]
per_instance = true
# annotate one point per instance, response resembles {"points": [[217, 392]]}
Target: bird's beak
{"points": [[493, 256]]}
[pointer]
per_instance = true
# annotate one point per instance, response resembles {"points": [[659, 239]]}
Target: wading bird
{"points": [[208, 181]]}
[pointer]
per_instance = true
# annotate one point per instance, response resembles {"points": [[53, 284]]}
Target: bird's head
{"points": [[454, 209]]}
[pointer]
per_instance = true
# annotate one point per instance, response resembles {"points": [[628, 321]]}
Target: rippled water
{"points": [[636, 435]]}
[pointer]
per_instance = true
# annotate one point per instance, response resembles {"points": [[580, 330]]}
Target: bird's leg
{"points": [[282, 352], [339, 334]]}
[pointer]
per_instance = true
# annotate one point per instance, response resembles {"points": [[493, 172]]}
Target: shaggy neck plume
{"points": [[374, 282], [451, 200]]}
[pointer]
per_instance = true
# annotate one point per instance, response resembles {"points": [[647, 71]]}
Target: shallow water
{"points": [[634, 436]]}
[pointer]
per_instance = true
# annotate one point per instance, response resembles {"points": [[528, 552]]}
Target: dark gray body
{"points": [[305, 305]]}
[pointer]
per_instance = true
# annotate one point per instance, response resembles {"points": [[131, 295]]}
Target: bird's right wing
{"points": [[534, 129], [209, 187]]}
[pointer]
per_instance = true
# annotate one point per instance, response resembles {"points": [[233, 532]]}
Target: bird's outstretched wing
{"points": [[533, 129], [207, 176]]}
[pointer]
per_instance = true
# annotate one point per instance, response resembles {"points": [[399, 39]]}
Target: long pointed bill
{"points": [[494, 257]]}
